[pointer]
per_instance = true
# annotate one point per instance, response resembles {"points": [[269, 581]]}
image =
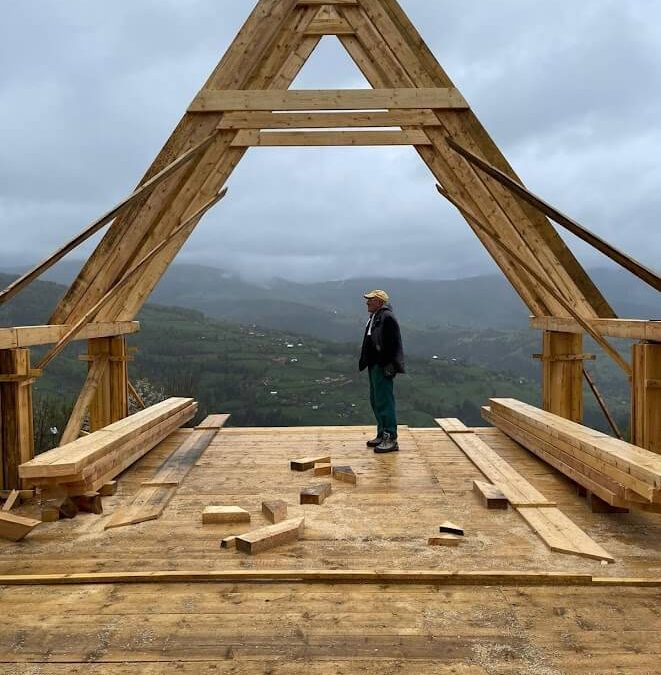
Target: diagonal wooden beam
{"points": [[638, 269], [602, 404], [191, 221], [605, 345], [141, 192], [94, 374]]}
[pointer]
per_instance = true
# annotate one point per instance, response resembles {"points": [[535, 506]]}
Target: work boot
{"points": [[374, 442], [389, 444]]}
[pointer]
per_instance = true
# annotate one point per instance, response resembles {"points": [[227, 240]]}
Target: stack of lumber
{"points": [[621, 474], [87, 463]]}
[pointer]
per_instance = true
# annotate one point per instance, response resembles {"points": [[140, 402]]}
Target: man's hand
{"points": [[389, 371]]}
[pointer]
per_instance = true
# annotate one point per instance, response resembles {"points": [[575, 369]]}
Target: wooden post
{"points": [[646, 396], [562, 369], [16, 425], [110, 402]]}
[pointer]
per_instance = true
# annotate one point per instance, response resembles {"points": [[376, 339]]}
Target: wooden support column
{"points": [[646, 396], [562, 374], [110, 401], [16, 426]]}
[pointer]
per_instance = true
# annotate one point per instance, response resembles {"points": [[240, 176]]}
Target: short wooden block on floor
{"points": [[323, 469], [345, 474], [60, 507], [275, 511], [89, 503], [228, 542], [307, 463], [109, 489], [14, 527], [271, 536], [490, 496], [316, 494], [444, 540], [213, 515], [450, 528]]}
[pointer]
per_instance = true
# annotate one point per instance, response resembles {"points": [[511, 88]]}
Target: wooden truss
{"points": [[246, 103]]}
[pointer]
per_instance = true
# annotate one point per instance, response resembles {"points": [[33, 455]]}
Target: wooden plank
{"points": [[30, 336], [148, 504], [307, 463], [275, 511], [215, 100], [490, 495], [14, 499], [213, 515], [255, 138], [450, 528], [327, 2], [330, 120], [514, 486], [213, 422], [636, 329], [266, 538], [563, 535], [95, 373], [452, 425], [15, 527], [330, 26], [316, 494], [345, 474]]}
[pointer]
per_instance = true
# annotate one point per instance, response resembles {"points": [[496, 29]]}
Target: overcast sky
{"points": [[571, 91]]}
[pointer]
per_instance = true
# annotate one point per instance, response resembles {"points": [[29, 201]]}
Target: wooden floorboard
{"points": [[381, 523]]}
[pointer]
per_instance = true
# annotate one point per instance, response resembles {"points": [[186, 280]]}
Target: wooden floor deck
{"points": [[382, 523]]}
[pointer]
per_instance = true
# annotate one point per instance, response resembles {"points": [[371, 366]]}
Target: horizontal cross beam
{"points": [[328, 120], [222, 100], [255, 138], [29, 336], [635, 329]]}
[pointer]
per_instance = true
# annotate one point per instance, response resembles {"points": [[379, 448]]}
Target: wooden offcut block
{"points": [[490, 495], [450, 528], [307, 463], [228, 542], [89, 503], [213, 515], [14, 527], [271, 536], [444, 540], [316, 494], [275, 511], [64, 507], [50, 513], [108, 489], [323, 469], [345, 474]]}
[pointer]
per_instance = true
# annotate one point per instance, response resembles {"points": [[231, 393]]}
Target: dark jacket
{"points": [[384, 346]]}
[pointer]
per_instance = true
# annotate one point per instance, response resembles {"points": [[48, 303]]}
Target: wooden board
{"points": [[210, 100], [562, 535], [513, 485], [444, 540], [452, 425], [323, 469], [270, 537], [316, 494], [213, 515], [15, 527], [13, 499], [256, 138]]}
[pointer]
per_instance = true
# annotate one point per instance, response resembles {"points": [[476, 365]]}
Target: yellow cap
{"points": [[382, 295]]}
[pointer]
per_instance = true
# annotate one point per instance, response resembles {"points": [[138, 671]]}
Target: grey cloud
{"points": [[89, 92]]}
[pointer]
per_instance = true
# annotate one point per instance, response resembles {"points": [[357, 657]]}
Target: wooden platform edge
{"points": [[362, 576]]}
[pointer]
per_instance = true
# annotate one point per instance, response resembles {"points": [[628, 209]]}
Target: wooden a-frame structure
{"points": [[246, 102]]}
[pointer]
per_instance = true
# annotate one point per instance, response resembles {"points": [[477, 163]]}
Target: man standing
{"points": [[383, 356]]}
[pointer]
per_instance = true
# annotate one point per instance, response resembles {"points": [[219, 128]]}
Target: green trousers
{"points": [[382, 398]]}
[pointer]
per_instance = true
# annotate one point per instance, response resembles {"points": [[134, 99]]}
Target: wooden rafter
{"points": [[411, 92]]}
